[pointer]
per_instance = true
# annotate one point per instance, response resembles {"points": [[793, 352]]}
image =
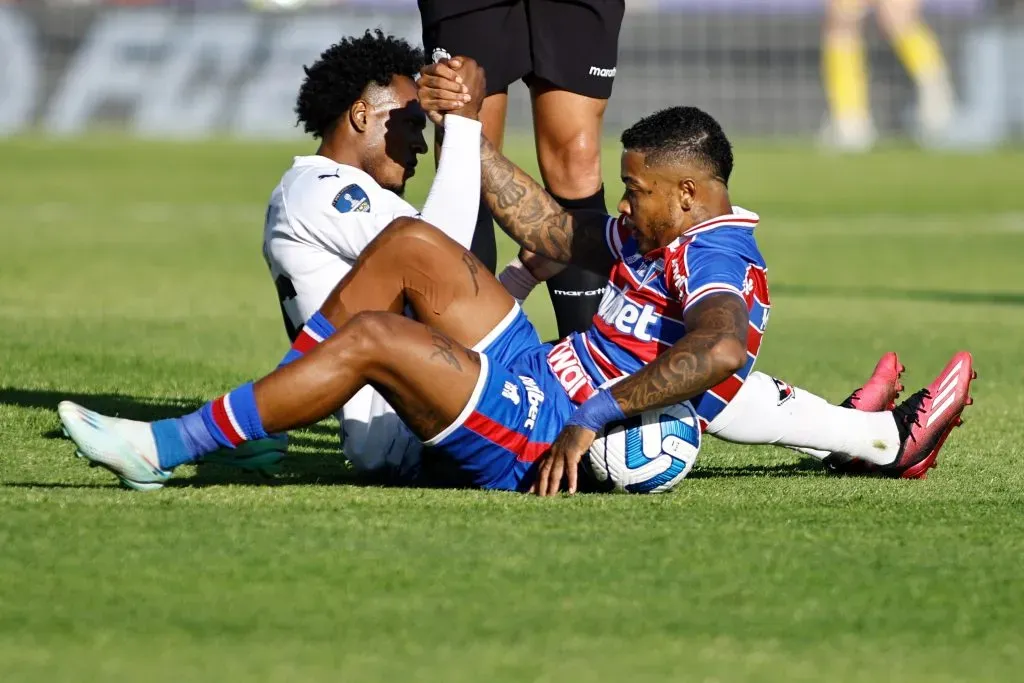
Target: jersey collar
{"points": [[739, 218]]}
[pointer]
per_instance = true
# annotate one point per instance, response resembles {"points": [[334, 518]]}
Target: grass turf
{"points": [[132, 279]]}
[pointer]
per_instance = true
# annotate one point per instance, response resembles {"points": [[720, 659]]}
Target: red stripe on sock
{"points": [[220, 417], [305, 342]]}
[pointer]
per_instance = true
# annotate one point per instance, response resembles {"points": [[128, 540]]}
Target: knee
{"points": [[571, 167], [367, 335], [843, 18], [896, 18]]}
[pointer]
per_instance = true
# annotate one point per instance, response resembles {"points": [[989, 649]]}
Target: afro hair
{"points": [[339, 77]]}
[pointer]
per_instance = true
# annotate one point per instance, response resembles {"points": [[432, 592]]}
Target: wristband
{"points": [[597, 411], [518, 280]]}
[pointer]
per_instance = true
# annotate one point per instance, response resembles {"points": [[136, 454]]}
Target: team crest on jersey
{"points": [[785, 391], [440, 53], [352, 199]]}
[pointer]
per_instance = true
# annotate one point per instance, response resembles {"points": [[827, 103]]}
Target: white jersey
{"points": [[320, 218]]}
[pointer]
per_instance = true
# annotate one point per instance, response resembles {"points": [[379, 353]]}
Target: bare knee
{"points": [[897, 17], [369, 337], [843, 18], [571, 167]]}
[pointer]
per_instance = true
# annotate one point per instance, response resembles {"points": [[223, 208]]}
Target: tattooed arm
{"points": [[713, 348], [535, 220]]}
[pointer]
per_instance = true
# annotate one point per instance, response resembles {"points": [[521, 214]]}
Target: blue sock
{"points": [[316, 329], [222, 423]]}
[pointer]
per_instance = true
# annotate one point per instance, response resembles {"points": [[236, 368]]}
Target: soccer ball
{"points": [[649, 453]]}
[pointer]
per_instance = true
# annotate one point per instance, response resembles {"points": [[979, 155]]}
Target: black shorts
{"points": [[572, 45]]}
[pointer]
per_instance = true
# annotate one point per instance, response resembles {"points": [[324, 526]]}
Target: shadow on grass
{"points": [[313, 456], [891, 293], [802, 468]]}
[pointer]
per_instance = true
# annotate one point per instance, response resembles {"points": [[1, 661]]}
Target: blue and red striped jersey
{"points": [[641, 314]]}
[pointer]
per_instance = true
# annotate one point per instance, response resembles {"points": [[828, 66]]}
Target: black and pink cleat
{"points": [[925, 419]]}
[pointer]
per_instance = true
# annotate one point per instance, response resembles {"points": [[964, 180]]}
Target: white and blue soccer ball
{"points": [[649, 453]]}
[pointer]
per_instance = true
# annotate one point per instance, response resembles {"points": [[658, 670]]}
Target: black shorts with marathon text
{"points": [[572, 45]]}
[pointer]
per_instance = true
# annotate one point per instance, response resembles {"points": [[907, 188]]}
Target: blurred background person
{"points": [[846, 74], [566, 53]]}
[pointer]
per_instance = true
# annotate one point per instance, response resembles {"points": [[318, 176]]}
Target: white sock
{"points": [[768, 411]]}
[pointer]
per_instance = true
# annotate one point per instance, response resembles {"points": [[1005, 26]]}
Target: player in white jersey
{"points": [[359, 99]]}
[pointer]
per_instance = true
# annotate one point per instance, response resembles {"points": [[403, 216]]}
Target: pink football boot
{"points": [[878, 393], [925, 419], [882, 388]]}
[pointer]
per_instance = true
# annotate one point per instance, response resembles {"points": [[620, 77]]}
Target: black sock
{"points": [[576, 293], [484, 246]]}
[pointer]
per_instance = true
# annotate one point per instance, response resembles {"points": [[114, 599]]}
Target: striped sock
{"points": [[316, 329], [224, 422]]}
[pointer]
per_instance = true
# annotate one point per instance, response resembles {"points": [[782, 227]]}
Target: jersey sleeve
{"points": [[343, 218], [617, 236], [708, 269]]}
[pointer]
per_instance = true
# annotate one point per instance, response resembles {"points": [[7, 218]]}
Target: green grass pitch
{"points": [[132, 279]]}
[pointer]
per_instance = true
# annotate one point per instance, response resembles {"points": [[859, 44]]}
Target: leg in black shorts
{"points": [[566, 52]]}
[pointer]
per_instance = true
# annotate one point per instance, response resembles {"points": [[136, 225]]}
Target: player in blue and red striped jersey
{"points": [[470, 375]]}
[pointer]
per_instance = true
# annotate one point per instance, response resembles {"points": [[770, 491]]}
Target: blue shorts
{"points": [[516, 410]]}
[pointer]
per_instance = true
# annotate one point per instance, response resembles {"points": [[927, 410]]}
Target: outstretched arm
{"points": [[535, 220], [714, 347]]}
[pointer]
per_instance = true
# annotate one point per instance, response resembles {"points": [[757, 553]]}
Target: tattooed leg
{"points": [[412, 263], [426, 376]]}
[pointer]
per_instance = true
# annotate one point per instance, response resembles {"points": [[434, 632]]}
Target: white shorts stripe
{"points": [[471, 404]]}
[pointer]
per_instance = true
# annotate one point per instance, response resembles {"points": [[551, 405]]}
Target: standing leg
{"points": [[921, 55], [845, 74], [575, 53], [568, 138]]}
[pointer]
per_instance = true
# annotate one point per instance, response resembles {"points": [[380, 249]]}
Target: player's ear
{"points": [[687, 191], [358, 115]]}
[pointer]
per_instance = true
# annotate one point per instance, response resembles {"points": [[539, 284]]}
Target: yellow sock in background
{"points": [[919, 51], [846, 80]]}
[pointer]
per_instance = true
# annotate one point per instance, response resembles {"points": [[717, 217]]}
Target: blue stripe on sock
{"points": [[321, 325], [243, 405]]}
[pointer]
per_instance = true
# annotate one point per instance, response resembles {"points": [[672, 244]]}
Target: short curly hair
{"points": [[682, 132], [336, 80]]}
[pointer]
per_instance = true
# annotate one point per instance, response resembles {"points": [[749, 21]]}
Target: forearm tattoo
{"points": [[534, 219], [690, 367]]}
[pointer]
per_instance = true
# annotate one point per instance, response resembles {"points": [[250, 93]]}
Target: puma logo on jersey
{"points": [[352, 199], [946, 394]]}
